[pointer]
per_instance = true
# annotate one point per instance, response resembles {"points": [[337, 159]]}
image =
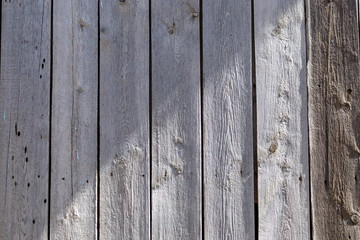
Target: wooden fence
{"points": [[179, 119]]}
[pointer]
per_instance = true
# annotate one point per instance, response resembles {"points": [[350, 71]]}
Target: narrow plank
{"points": [[73, 212], [334, 86], [176, 120], [124, 120], [24, 124], [283, 171], [227, 123]]}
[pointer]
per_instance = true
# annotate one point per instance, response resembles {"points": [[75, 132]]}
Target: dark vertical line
{"points": [[307, 49], [50, 108], [254, 115], [98, 129], [202, 122], [150, 123]]}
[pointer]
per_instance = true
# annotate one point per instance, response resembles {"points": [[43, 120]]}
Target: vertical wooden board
{"points": [[24, 124], [283, 171], [176, 120], [73, 212], [334, 115], [227, 124], [124, 120]]}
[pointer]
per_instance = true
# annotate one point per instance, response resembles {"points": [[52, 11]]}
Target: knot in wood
{"points": [[355, 218]]}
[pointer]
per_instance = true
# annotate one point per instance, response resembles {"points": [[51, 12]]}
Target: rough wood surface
{"points": [[24, 124], [228, 136], [176, 124], [283, 173], [124, 120], [334, 116], [73, 211]]}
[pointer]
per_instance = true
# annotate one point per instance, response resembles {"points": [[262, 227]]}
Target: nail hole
{"points": [[25, 149], [28, 184], [12, 158], [12, 177], [15, 183], [87, 181], [40, 76], [26, 159], [63, 178], [42, 66], [44, 60], [18, 134], [33, 221], [111, 174], [300, 178], [45, 200], [38, 176]]}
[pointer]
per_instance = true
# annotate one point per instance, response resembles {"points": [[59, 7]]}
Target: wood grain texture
{"points": [[124, 120], [73, 212], [334, 115], [176, 120], [24, 124], [228, 135], [283, 171]]}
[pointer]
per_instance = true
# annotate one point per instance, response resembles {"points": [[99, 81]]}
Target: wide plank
{"points": [[24, 122], [282, 133], [124, 120], [176, 120], [73, 212], [227, 124], [334, 100]]}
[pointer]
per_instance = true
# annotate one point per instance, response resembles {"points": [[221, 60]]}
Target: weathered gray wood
{"points": [[283, 172], [334, 115], [24, 124], [73, 211], [124, 120], [228, 135], [176, 124]]}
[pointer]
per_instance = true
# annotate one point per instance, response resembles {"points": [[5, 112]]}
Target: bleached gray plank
{"points": [[24, 122], [228, 134], [334, 70], [73, 211], [283, 173], [124, 120], [176, 123]]}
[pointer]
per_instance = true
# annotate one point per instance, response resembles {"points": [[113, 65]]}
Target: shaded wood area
{"points": [[25, 118]]}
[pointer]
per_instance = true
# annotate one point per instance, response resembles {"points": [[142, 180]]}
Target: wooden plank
{"points": [[176, 120], [283, 171], [124, 120], [227, 124], [73, 212], [334, 98], [24, 125]]}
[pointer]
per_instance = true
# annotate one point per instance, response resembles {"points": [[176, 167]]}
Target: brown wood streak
{"points": [[333, 118]]}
